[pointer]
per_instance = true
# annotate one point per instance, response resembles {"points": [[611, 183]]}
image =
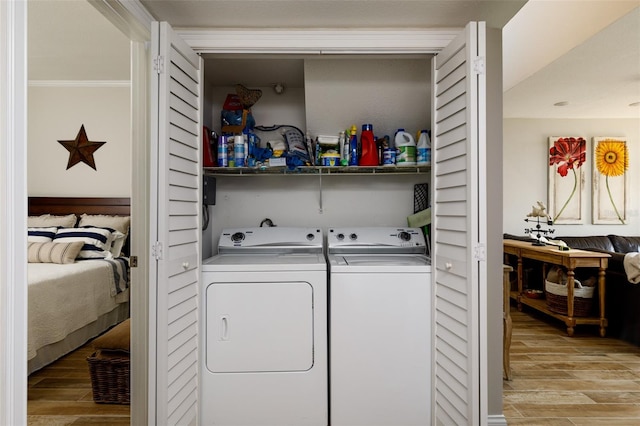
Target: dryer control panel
{"points": [[271, 239]]}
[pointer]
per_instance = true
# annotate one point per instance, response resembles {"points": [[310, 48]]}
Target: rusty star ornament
{"points": [[81, 149]]}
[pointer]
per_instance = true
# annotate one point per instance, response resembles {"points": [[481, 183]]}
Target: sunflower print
{"points": [[612, 157]]}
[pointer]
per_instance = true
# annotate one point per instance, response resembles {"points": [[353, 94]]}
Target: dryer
{"points": [[380, 327], [265, 329]]}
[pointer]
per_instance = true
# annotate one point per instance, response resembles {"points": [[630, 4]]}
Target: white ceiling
{"points": [[585, 53]]}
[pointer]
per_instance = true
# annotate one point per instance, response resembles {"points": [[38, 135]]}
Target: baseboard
{"points": [[496, 420]]}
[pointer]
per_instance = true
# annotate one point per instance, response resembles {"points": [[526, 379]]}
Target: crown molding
{"points": [[79, 83]]}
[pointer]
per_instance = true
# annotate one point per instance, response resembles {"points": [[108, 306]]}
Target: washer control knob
{"points": [[237, 237], [353, 236], [340, 236], [404, 236], [310, 236]]}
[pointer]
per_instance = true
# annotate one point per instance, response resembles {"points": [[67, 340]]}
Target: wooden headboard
{"points": [[79, 205]]}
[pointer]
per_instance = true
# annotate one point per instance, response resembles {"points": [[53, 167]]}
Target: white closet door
{"points": [[175, 185], [458, 123]]}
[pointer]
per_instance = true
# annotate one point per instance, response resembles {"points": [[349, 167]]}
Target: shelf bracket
{"points": [[320, 191]]}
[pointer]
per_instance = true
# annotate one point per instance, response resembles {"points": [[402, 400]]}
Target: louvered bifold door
{"points": [[175, 250], [456, 128]]}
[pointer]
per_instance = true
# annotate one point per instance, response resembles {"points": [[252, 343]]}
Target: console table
{"points": [[570, 259]]}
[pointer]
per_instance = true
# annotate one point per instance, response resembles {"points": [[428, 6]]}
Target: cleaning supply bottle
{"points": [[353, 146], [406, 148], [423, 149], [344, 149], [369, 154]]}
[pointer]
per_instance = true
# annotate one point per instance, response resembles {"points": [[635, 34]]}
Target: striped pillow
{"points": [[54, 252], [97, 241], [41, 235]]}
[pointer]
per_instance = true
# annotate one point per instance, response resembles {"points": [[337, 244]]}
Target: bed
{"points": [[78, 273]]}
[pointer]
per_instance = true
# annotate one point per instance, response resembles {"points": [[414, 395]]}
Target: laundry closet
{"points": [[323, 95], [385, 78]]}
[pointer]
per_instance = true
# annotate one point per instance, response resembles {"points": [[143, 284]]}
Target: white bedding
{"points": [[65, 298]]}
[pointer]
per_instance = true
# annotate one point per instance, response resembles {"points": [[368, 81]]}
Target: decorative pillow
{"points": [[116, 338], [119, 223], [118, 242], [46, 220], [97, 241], [54, 252], [41, 235]]}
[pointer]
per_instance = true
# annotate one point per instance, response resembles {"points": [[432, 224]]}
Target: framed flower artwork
{"points": [[610, 180], [566, 179]]}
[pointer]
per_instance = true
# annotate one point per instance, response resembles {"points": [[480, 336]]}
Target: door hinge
{"points": [[480, 252], [158, 64], [156, 250], [479, 65], [133, 261]]}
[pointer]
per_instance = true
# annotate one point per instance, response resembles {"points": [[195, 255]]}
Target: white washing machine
{"points": [[380, 327], [265, 329]]}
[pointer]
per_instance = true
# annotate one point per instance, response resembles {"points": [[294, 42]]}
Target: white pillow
{"points": [[97, 241], [119, 223], [41, 235], [54, 252], [46, 220], [117, 244]]}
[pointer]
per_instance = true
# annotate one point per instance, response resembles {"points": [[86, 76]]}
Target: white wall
{"points": [[294, 200], [56, 113], [526, 165]]}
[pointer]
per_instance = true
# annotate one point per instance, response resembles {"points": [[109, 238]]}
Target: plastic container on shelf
{"points": [[353, 146], [405, 148], [423, 149], [369, 151]]}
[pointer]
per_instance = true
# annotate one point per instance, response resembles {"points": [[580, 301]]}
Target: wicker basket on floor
{"points": [[110, 377], [556, 295]]}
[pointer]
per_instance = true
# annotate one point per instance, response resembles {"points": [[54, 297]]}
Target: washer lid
{"points": [[375, 260], [271, 240]]}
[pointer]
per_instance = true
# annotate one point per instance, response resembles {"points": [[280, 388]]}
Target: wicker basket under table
{"points": [[556, 295], [110, 376]]}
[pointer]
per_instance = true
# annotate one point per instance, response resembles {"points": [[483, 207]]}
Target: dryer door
{"points": [[259, 327]]}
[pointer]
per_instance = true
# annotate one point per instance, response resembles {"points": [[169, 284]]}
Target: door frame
{"points": [[13, 216]]}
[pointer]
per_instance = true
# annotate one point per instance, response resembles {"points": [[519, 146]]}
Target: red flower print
{"points": [[568, 153]]}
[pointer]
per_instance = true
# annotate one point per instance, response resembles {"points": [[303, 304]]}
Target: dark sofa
{"points": [[622, 298]]}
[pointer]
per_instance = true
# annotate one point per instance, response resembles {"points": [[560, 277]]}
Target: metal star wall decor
{"points": [[81, 149]]}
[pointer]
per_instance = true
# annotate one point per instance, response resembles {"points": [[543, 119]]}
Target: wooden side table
{"points": [[506, 319], [570, 259]]}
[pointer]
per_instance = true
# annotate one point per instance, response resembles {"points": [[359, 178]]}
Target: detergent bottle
{"points": [[353, 146], [423, 149], [369, 151], [406, 148]]}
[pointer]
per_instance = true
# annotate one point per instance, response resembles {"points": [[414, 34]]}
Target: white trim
{"points": [[142, 381], [79, 83], [129, 16], [13, 213], [317, 41], [496, 420]]}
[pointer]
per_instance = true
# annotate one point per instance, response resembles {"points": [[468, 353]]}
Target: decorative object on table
{"points": [[534, 294], [81, 149], [610, 180], [566, 195], [540, 217]]}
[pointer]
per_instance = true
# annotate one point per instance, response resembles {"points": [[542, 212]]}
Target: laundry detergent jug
{"points": [[406, 148]]}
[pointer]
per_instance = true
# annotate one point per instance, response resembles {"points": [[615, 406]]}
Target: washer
{"points": [[265, 329], [380, 327]]}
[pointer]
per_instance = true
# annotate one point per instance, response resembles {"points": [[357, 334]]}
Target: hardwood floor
{"points": [[561, 380], [60, 394], [557, 380]]}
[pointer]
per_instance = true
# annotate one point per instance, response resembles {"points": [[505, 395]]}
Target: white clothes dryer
{"points": [[380, 327], [265, 329]]}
